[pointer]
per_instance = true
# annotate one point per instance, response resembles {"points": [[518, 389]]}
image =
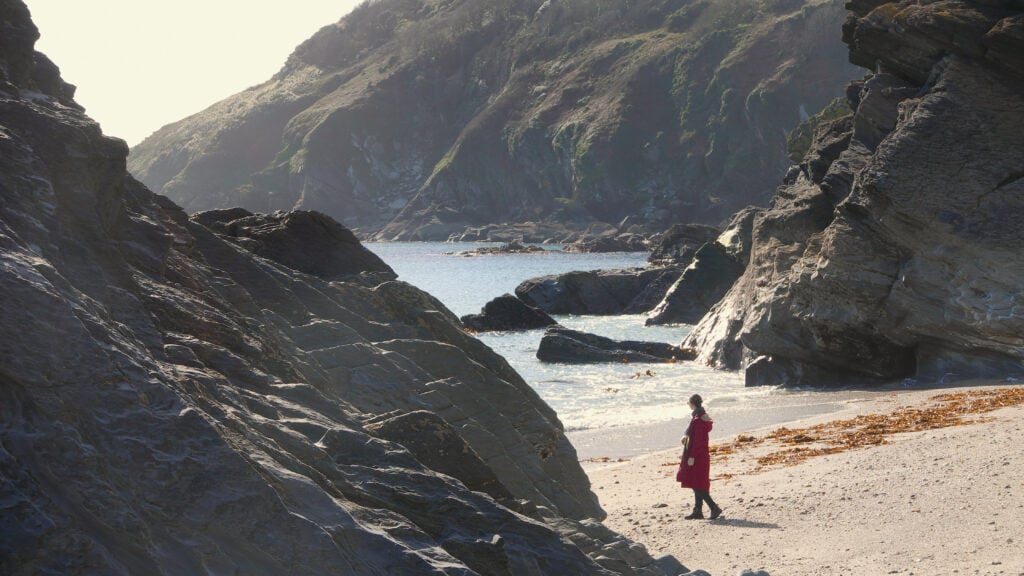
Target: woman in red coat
{"points": [[695, 467]]}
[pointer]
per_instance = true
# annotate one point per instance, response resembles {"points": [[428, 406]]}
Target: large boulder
{"points": [[306, 241], [894, 251], [596, 292], [175, 403], [506, 312], [566, 346]]}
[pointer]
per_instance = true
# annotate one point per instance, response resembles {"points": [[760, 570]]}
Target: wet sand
{"points": [[730, 419]]}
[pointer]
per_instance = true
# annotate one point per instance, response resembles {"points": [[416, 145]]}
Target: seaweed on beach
{"points": [[801, 444], [950, 409]]}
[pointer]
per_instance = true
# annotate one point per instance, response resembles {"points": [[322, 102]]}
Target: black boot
{"points": [[715, 512], [698, 506]]}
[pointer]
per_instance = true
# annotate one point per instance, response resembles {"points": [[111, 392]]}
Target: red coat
{"points": [[698, 474]]}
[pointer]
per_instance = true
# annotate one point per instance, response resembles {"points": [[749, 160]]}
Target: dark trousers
{"points": [[701, 496]]}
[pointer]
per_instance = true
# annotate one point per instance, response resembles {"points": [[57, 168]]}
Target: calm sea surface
{"points": [[587, 397]]}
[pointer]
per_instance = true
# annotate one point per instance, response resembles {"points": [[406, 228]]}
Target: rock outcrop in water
{"points": [[694, 266], [599, 292], [506, 312], [894, 249], [566, 346], [433, 119], [242, 393]]}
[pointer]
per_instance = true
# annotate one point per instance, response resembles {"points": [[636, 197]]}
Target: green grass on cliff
{"points": [[621, 106], [798, 141]]}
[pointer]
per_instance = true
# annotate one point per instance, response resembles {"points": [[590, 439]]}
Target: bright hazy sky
{"points": [[141, 64]]}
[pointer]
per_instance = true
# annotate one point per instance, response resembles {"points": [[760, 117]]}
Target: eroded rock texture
{"points": [[198, 396], [894, 250]]}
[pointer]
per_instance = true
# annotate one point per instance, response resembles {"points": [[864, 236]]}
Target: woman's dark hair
{"points": [[696, 400]]}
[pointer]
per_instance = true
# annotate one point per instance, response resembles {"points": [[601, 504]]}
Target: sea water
{"points": [[586, 397]]}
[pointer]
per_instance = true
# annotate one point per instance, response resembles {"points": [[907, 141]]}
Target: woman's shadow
{"points": [[739, 523]]}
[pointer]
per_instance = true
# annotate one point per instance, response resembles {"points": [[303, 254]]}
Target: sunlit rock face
{"points": [[429, 119], [894, 249], [246, 393]]}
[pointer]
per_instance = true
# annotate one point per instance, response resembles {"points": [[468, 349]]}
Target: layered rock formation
{"points": [[240, 393], [894, 249], [432, 118]]}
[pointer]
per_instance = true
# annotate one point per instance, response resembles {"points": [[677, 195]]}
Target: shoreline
{"points": [[773, 410], [945, 500]]}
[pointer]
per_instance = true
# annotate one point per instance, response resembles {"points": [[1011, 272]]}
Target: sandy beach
{"points": [[943, 500]]}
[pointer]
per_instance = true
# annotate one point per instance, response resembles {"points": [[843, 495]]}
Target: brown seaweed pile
{"points": [[954, 409], [797, 445]]}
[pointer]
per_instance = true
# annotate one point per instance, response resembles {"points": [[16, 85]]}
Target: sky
{"points": [[142, 64]]}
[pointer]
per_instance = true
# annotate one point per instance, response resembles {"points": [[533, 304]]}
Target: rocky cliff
{"points": [[244, 393], [893, 250], [424, 118]]}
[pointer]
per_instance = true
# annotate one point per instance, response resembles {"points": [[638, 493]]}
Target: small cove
{"points": [[594, 402]]}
